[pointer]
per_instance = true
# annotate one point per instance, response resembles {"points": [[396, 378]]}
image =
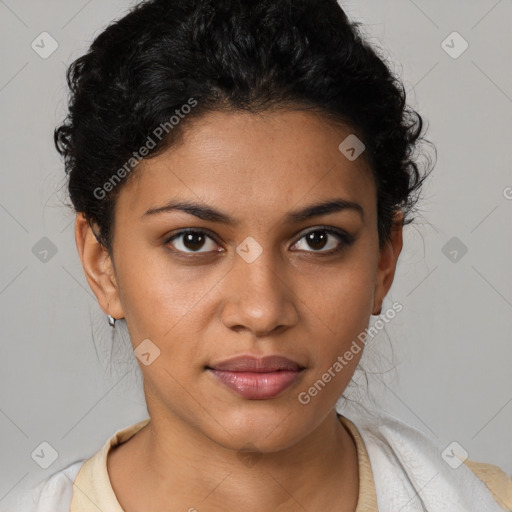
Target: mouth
{"points": [[256, 378]]}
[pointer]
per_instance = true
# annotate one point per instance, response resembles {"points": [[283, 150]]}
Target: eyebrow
{"points": [[210, 214]]}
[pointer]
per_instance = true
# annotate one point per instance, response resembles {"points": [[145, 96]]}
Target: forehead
{"points": [[252, 164]]}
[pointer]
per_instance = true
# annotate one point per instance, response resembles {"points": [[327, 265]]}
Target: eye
{"points": [[321, 240], [191, 240]]}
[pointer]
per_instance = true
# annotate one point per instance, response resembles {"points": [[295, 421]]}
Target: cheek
{"points": [[344, 298], [340, 307], [148, 295], [344, 308]]}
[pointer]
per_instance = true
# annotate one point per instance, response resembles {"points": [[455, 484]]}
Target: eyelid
{"points": [[186, 231], [345, 238]]}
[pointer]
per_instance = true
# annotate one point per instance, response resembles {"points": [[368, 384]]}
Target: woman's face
{"points": [[260, 278]]}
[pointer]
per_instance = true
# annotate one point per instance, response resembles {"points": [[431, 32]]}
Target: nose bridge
{"points": [[258, 269], [257, 297]]}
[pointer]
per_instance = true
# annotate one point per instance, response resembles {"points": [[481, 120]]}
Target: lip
{"points": [[257, 378]]}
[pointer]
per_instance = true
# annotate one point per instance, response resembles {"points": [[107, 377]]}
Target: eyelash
{"points": [[345, 239]]}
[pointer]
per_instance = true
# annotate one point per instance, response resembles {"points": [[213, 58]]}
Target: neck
{"points": [[173, 465]]}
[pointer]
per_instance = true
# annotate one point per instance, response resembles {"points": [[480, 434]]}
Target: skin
{"points": [[207, 306]]}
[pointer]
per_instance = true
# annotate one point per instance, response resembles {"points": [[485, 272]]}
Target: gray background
{"points": [[443, 364]]}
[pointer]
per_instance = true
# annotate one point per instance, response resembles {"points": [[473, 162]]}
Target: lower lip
{"points": [[257, 386]]}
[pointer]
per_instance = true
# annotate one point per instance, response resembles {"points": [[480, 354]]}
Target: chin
{"points": [[263, 426]]}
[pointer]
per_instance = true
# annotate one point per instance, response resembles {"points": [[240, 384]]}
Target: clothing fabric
{"points": [[411, 475], [400, 470]]}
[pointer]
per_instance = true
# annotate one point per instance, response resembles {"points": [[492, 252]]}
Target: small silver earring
{"points": [[111, 321]]}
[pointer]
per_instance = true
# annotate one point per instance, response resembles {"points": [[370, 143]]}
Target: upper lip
{"points": [[246, 363]]}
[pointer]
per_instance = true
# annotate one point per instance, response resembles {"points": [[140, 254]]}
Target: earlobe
{"points": [[98, 268], [376, 311], [388, 259]]}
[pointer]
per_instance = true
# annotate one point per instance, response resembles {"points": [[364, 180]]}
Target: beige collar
{"points": [[92, 485]]}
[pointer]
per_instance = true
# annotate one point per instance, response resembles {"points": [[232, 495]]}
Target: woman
{"points": [[241, 173]]}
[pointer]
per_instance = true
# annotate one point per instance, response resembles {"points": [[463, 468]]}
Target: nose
{"points": [[258, 296]]}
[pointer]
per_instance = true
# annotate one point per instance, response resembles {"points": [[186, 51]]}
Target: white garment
{"points": [[51, 495], [410, 474]]}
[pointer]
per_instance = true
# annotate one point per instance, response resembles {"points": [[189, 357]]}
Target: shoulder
{"points": [[55, 493], [496, 480], [404, 458], [52, 494]]}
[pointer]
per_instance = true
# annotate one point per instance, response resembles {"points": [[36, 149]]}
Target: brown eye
{"points": [[324, 240], [317, 239], [191, 241]]}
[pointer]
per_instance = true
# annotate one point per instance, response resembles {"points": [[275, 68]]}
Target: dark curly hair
{"points": [[230, 55]]}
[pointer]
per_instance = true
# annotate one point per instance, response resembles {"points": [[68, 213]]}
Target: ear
{"points": [[98, 268], [387, 263]]}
